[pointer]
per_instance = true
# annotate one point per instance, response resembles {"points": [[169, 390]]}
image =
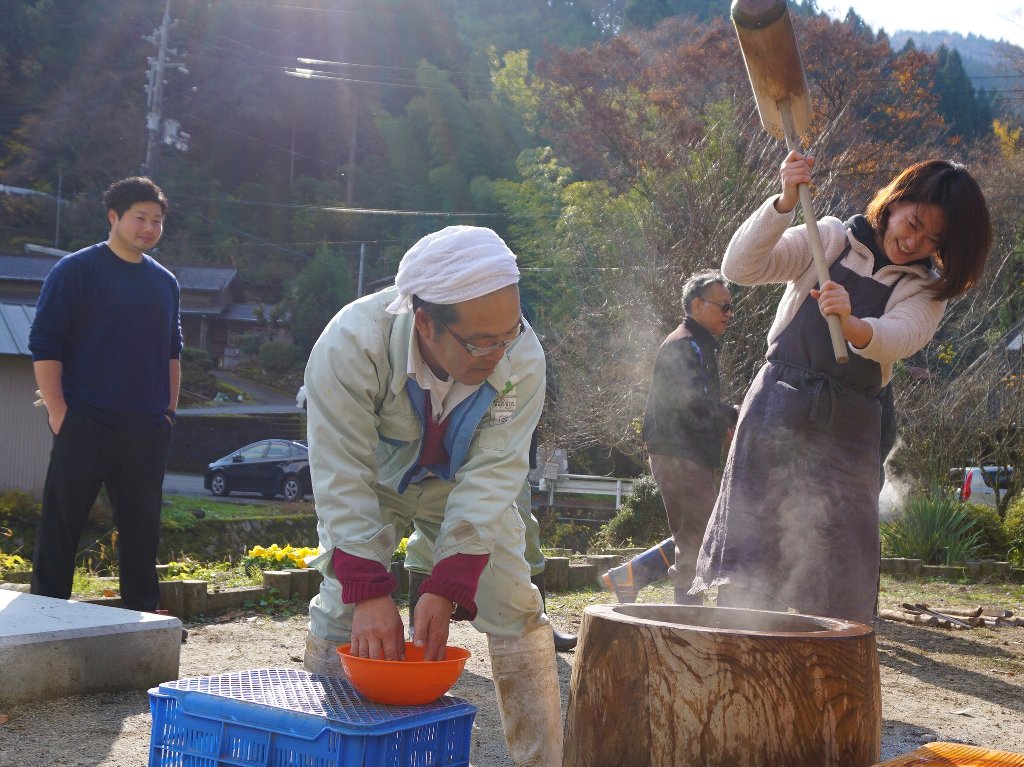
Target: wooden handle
{"points": [[817, 251]]}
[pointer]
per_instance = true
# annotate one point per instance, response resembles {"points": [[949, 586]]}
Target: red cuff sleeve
{"points": [[456, 578], [360, 578]]}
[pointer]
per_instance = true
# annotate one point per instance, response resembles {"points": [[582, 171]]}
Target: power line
{"points": [[340, 209]]}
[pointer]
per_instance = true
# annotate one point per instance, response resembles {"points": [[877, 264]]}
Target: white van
{"points": [[978, 484]]}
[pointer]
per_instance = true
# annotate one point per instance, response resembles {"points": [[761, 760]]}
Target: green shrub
{"points": [[570, 535], [280, 356], [1013, 528], [197, 358], [641, 521], [13, 563], [190, 569], [18, 509], [249, 344], [993, 534], [196, 377], [935, 528]]}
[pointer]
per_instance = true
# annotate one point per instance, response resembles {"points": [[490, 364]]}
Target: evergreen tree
{"points": [[317, 293], [956, 94]]}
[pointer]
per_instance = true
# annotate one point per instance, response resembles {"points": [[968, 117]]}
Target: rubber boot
{"points": [[321, 656], [526, 683], [416, 579], [684, 598], [563, 642], [642, 570]]}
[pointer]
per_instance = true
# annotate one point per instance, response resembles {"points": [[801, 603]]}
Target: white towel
{"points": [[456, 264]]}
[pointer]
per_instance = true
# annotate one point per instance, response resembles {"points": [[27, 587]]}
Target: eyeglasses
{"points": [[726, 307], [483, 351]]}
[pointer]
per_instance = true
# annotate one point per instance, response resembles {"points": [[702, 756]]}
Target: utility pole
{"points": [[60, 189], [362, 261], [350, 182], [158, 129]]}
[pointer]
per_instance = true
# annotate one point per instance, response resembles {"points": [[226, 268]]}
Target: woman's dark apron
{"points": [[796, 522]]}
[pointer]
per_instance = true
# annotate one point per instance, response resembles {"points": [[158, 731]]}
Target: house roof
{"points": [[35, 268], [25, 268], [15, 322], [241, 313], [206, 278]]}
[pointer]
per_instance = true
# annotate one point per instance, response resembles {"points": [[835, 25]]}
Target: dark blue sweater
{"points": [[115, 326]]}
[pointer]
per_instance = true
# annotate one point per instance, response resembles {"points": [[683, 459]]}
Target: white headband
{"points": [[456, 264]]}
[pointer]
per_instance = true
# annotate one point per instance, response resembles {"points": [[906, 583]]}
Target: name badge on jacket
{"points": [[504, 405]]}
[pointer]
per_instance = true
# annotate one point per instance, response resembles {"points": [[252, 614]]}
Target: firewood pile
{"points": [[962, 618]]}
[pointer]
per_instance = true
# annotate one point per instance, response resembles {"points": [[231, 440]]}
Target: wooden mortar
{"points": [[673, 686]]}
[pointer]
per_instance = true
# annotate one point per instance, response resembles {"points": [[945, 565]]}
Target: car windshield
{"points": [[1003, 476]]}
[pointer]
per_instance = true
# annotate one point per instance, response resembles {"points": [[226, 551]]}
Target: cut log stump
{"points": [[675, 686]]}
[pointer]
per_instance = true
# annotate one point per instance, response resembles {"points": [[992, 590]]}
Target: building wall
{"points": [[24, 434]]}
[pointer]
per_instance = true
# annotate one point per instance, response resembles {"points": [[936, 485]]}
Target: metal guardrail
{"points": [[586, 484]]}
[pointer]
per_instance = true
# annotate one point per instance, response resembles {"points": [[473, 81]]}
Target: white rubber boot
{"points": [[526, 682], [321, 656]]}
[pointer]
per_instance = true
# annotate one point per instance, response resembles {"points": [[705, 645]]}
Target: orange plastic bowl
{"points": [[409, 682]]}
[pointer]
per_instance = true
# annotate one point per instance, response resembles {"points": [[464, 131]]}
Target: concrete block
{"points": [[556, 574], [943, 571], [232, 599], [193, 598], [552, 553], [51, 647], [315, 579], [300, 582], [627, 553], [604, 562], [279, 581], [582, 576], [171, 596]]}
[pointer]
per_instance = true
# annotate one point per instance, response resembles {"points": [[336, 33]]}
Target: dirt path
{"points": [[936, 685]]}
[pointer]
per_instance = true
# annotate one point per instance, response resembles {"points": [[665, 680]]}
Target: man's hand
{"points": [[432, 618], [55, 416], [377, 630]]}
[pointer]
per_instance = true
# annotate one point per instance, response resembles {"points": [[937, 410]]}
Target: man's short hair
{"points": [[445, 314], [124, 193], [695, 286]]}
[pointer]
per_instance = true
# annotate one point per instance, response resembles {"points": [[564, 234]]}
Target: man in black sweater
{"points": [[684, 428], [106, 349]]}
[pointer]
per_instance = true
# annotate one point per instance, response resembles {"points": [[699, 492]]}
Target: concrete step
{"points": [[50, 648]]}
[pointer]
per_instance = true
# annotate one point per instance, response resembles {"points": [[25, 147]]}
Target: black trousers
{"points": [[86, 455]]}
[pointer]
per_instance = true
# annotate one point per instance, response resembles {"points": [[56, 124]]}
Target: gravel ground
{"points": [[936, 685]]}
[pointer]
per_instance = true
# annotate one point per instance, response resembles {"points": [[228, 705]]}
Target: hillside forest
{"points": [[615, 144]]}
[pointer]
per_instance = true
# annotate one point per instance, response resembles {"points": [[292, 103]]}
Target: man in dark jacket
{"points": [[106, 348], [684, 428]]}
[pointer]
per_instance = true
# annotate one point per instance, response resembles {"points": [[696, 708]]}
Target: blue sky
{"points": [[996, 19]]}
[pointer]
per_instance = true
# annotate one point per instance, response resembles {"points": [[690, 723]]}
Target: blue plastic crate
{"points": [[289, 718]]}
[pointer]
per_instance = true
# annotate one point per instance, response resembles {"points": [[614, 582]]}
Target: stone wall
{"points": [[217, 540]]}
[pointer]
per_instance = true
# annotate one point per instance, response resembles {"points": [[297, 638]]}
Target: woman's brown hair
{"points": [[968, 231]]}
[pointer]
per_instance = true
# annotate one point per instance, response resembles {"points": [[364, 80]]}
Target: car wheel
{"points": [[219, 484], [291, 489]]}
